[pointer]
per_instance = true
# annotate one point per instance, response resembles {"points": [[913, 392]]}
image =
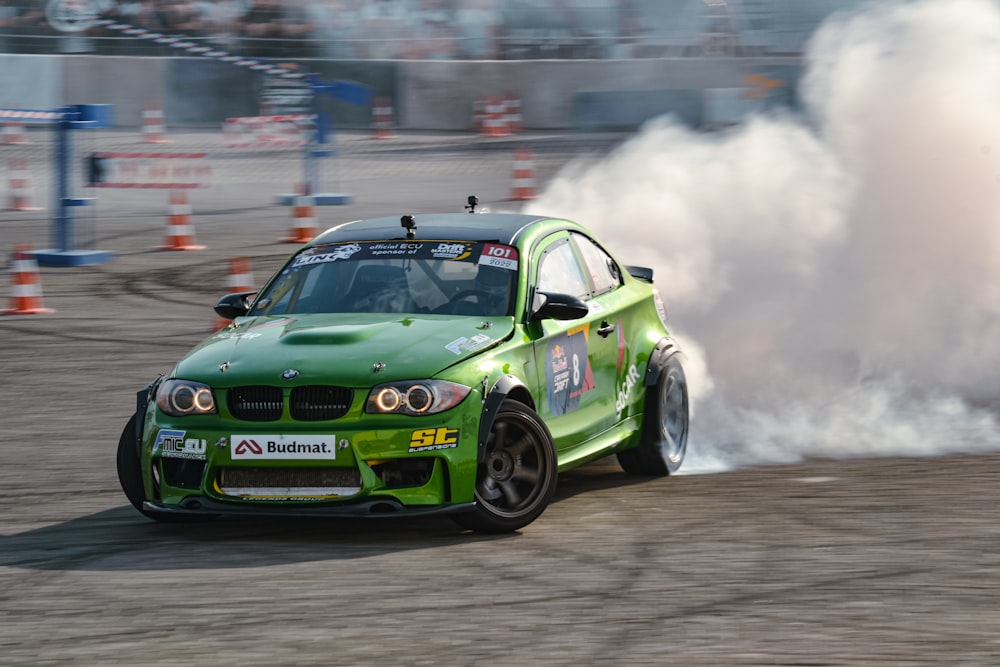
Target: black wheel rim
{"points": [[674, 414], [511, 481]]}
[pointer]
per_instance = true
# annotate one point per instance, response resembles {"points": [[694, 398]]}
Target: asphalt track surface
{"points": [[886, 561]]}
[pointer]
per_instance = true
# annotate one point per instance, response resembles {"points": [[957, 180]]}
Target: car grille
{"points": [[182, 473], [289, 482], [309, 403], [255, 404], [398, 473], [319, 403]]}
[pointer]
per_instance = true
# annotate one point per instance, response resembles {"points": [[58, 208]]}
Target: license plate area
{"points": [[288, 483]]}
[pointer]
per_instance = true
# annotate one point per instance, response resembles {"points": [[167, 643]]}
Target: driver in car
{"points": [[495, 284]]}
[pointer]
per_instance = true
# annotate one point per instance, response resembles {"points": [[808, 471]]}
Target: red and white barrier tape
{"points": [[268, 131], [182, 43], [181, 171]]}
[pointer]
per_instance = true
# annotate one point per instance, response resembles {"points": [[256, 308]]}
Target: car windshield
{"points": [[440, 277]]}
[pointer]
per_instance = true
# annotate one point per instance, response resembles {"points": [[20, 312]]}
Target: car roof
{"points": [[499, 227]]}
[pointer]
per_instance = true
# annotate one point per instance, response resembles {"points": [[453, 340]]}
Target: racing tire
{"points": [[130, 477], [663, 442], [517, 478]]}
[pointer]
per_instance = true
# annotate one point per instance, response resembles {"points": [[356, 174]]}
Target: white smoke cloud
{"points": [[836, 274]]}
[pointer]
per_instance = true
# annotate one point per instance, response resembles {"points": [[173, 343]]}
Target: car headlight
{"points": [[179, 398], [415, 397]]}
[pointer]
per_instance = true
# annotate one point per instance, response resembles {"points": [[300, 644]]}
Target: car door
{"points": [[575, 359], [622, 322]]}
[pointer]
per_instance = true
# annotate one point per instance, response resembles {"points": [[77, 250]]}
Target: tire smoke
{"points": [[834, 272]]}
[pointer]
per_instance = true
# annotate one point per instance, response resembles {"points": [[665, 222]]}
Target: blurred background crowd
{"points": [[424, 29]]}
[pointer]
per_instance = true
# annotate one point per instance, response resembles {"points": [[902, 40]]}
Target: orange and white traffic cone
{"points": [[495, 123], [487, 125], [240, 280], [154, 128], [19, 198], [14, 133], [512, 107], [479, 114], [383, 118], [303, 223], [25, 284], [524, 175], [180, 229]]}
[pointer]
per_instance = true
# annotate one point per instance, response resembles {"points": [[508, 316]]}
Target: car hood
{"points": [[340, 349]]}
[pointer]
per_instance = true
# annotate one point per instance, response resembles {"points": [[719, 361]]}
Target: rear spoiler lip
{"points": [[643, 273]]}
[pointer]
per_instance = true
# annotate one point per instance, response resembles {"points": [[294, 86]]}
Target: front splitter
{"points": [[375, 507]]}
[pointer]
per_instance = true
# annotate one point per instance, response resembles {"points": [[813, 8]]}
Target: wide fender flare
{"points": [[142, 398], [667, 347], [491, 406]]}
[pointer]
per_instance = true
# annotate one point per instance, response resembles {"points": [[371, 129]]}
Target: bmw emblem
{"points": [[290, 374]]}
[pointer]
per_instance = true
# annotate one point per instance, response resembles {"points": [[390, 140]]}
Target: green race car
{"points": [[444, 363]]}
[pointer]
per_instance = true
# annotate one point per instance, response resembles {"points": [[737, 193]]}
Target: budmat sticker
{"points": [[283, 447]]}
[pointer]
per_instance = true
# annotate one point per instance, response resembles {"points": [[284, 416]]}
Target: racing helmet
{"points": [[495, 282]]}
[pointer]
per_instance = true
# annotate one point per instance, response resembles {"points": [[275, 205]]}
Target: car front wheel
{"points": [[517, 478], [130, 477], [664, 426]]}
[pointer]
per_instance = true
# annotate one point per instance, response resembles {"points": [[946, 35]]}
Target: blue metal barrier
{"points": [[63, 233]]}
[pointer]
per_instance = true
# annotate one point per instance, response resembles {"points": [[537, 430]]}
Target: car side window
{"points": [[604, 272], [559, 271]]}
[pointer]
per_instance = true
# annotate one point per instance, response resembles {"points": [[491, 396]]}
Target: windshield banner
{"points": [[491, 254]]}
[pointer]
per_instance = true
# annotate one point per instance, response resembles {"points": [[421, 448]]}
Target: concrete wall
{"points": [[427, 95], [127, 83], [29, 82], [441, 94]]}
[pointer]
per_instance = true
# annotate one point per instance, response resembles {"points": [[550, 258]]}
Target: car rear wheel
{"points": [[664, 426], [130, 477], [517, 479]]}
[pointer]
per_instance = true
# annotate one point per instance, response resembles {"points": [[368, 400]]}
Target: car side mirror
{"points": [[234, 305], [554, 306]]}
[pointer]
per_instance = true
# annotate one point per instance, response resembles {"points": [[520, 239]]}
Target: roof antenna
{"points": [[473, 202], [410, 224]]}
